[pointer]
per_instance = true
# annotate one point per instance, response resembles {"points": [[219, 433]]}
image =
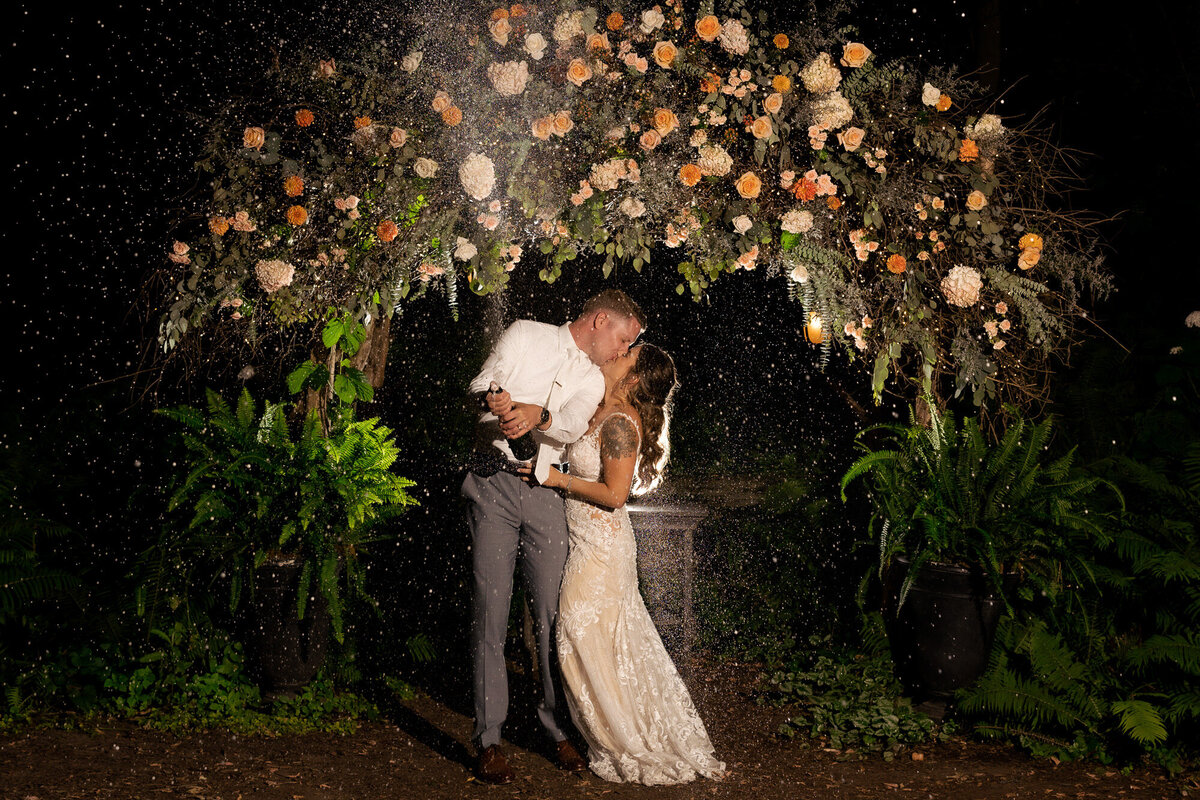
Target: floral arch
{"points": [[917, 227]]}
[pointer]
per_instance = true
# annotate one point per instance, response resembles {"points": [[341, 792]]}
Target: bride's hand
{"points": [[553, 481]]}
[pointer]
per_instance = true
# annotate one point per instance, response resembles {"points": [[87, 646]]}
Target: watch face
{"points": [[545, 416]]}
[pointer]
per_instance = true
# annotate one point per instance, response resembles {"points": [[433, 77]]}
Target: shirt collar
{"points": [[568, 343]]}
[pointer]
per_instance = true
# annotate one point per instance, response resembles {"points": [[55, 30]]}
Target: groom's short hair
{"points": [[616, 302]]}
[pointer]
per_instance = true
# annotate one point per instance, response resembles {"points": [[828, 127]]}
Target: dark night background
{"points": [[103, 113]]}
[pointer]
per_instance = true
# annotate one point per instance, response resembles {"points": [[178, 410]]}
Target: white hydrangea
{"points": [[733, 38], [989, 126], [477, 175], [568, 25], [605, 177], [797, 221], [961, 286], [832, 112], [632, 207], [714, 160], [821, 76], [464, 250], [273, 275], [508, 77]]}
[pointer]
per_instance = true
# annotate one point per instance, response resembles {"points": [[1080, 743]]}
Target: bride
{"points": [[624, 692]]}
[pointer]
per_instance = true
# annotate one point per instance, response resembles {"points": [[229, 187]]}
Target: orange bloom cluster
{"points": [[297, 215], [804, 190], [1031, 251], [615, 21], [452, 116], [304, 118], [968, 150], [896, 263], [293, 186], [689, 174], [781, 84], [781, 41], [361, 122], [387, 230], [834, 203], [218, 225], [943, 103]]}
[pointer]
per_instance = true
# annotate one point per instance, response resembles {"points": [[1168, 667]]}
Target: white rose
{"points": [[412, 61], [425, 167], [465, 251], [508, 77], [742, 223], [652, 20], [477, 175], [797, 221], [799, 274], [535, 45], [632, 207], [930, 94]]}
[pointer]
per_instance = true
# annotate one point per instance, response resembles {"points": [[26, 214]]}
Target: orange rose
{"points": [[254, 137], [781, 41], [749, 185], [578, 71], [710, 83], [615, 21], [452, 116], [387, 230], [516, 10], [664, 54], [304, 118], [665, 121], [1030, 240], [598, 41], [781, 84], [563, 123], [543, 127], [708, 28], [1029, 258], [293, 186], [650, 139], [218, 225], [297, 215], [834, 203], [773, 103], [943, 102], [689, 174], [500, 13], [804, 190], [896, 263], [968, 150], [441, 101], [761, 128], [361, 122], [851, 138], [855, 54]]}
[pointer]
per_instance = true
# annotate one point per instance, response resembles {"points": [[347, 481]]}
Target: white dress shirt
{"points": [[541, 364]]}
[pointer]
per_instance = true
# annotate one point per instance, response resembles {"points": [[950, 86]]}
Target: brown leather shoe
{"points": [[493, 767], [568, 757]]}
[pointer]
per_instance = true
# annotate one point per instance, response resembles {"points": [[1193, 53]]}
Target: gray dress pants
{"points": [[508, 516]]}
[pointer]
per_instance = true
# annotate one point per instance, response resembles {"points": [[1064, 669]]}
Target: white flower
{"points": [[961, 286], [632, 207], [988, 126], [412, 61], [699, 137], [535, 45], [714, 160], [733, 38], [832, 112], [652, 20], [605, 177], [1193, 320], [1176, 350], [797, 221], [464, 251], [568, 25], [930, 94], [425, 167], [273, 275], [799, 274], [821, 76], [742, 223], [477, 175], [508, 77]]}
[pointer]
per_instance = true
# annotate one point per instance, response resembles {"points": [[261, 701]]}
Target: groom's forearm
{"points": [[570, 421]]}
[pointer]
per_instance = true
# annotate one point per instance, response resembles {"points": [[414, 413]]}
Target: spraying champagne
{"points": [[523, 447]]}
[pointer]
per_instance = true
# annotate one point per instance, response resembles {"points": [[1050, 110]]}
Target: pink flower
{"points": [[179, 254], [1002, 307]]}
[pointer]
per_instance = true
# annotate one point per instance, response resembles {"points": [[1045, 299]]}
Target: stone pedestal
{"points": [[665, 533]]}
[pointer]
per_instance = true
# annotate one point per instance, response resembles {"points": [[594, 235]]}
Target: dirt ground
{"points": [[420, 750]]}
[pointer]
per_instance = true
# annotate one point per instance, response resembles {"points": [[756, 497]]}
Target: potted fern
{"points": [[280, 517], [960, 522]]}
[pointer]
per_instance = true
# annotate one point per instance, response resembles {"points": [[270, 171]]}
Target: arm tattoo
{"points": [[618, 439]]}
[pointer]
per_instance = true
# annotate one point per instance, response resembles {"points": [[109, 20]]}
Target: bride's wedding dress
{"points": [[625, 695]]}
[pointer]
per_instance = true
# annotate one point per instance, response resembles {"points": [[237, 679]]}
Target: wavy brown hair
{"points": [[651, 395]]}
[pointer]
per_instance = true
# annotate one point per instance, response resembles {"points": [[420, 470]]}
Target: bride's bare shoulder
{"points": [[619, 433]]}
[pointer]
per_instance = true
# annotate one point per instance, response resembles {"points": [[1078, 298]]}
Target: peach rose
{"points": [[578, 71], [218, 225], [563, 123], [781, 41], [749, 185], [452, 116], [297, 215], [943, 103], [1030, 240], [851, 138], [254, 137], [304, 118], [325, 69], [397, 137], [598, 42], [968, 150], [543, 127], [650, 139], [896, 263], [500, 29], [855, 54], [441, 101], [293, 186], [664, 54], [761, 128], [1029, 257], [665, 121], [781, 84], [615, 21], [708, 28], [689, 174], [387, 231], [976, 200], [773, 103]]}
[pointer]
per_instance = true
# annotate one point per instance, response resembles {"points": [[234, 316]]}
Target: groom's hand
{"points": [[498, 402], [520, 419]]}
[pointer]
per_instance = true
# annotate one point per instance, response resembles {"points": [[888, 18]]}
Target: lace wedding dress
{"points": [[623, 690]]}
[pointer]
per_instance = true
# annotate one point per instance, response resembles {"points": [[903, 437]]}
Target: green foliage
{"points": [[852, 702]]}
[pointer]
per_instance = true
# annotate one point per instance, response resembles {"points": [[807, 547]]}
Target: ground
{"points": [[420, 750]]}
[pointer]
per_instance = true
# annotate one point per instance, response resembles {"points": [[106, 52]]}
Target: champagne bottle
{"points": [[523, 447]]}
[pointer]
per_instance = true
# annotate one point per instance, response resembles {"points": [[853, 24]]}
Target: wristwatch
{"points": [[545, 418]]}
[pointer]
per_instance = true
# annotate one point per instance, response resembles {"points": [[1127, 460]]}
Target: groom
{"points": [[550, 384]]}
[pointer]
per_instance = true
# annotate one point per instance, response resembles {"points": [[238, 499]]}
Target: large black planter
{"points": [[943, 633], [288, 651]]}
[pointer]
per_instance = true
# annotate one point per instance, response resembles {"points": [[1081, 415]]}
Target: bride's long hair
{"points": [[651, 394]]}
